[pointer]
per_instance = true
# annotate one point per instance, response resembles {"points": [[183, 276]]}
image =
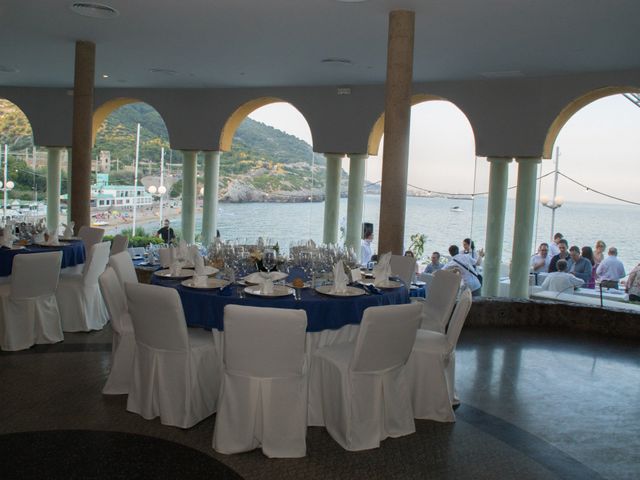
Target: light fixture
{"points": [[336, 61], [202, 191], [104, 75], [162, 189], [152, 189], [93, 10]]}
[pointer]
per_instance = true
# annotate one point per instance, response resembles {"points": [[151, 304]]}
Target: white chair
{"points": [[90, 236], [123, 267], [263, 400], [176, 371], [441, 298], [29, 311], [124, 341], [403, 267], [359, 391], [136, 251], [164, 255], [119, 244], [79, 300], [431, 367]]}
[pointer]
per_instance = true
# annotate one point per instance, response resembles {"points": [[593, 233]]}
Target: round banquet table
{"points": [[72, 254], [204, 308]]}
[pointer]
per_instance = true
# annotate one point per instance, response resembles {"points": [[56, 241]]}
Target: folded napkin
{"points": [[38, 237], [200, 280], [340, 279], [266, 287], [198, 263], [356, 275], [68, 229], [382, 271], [176, 268], [8, 237], [183, 250]]}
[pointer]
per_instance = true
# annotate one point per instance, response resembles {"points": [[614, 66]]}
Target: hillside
{"points": [[264, 164]]}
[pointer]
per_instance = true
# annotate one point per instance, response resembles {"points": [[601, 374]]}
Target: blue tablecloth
{"points": [[72, 254], [204, 308]]}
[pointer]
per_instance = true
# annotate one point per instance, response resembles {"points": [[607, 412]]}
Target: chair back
{"points": [[157, 317], [90, 236], [96, 263], [442, 293], [264, 342], [119, 244], [114, 298], [165, 256], [458, 318], [35, 274], [403, 267], [123, 268], [136, 251], [386, 337]]}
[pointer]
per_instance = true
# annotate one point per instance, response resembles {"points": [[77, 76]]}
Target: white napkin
{"points": [[8, 237], [183, 250], [194, 258], [176, 268], [340, 279], [267, 285], [382, 271], [53, 238], [311, 244], [68, 229], [38, 237], [356, 275], [198, 263], [200, 280]]}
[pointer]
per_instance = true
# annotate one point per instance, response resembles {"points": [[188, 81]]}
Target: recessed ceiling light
{"points": [[105, 76], [93, 10], [163, 71], [8, 69], [337, 61]]}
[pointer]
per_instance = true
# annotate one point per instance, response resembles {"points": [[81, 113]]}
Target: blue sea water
{"points": [[582, 224]]}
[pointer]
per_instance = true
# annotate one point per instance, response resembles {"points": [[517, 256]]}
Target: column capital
{"points": [[528, 159], [499, 159]]}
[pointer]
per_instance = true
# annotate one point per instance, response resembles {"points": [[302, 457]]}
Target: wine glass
{"points": [[269, 259]]}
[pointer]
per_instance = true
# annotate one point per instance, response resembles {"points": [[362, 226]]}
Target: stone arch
{"points": [[242, 112], [573, 107], [20, 112], [103, 111], [377, 130]]}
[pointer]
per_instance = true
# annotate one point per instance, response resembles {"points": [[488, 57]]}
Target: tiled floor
{"points": [[536, 404]]}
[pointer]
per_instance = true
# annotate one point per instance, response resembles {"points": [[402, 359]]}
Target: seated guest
{"points": [[599, 255], [553, 247], [560, 280], [435, 264], [633, 284], [587, 252], [540, 261], [563, 248], [365, 246], [578, 265], [466, 266], [611, 268]]}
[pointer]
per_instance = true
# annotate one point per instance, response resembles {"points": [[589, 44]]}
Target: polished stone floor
{"points": [[536, 404]]}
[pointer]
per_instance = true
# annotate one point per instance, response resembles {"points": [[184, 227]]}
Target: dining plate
{"points": [[52, 245], [166, 273], [278, 291], [211, 283], [385, 284], [350, 292], [254, 278]]}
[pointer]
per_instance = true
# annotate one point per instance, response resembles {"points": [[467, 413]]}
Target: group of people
{"points": [[571, 267]]}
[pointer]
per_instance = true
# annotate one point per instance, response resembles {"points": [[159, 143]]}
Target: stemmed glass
{"points": [[269, 259]]}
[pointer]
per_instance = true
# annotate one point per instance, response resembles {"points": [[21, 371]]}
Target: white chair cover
{"points": [[136, 251], [164, 255], [263, 401], [176, 371], [29, 311], [441, 298], [363, 393], [124, 269], [90, 236], [124, 341], [431, 367], [119, 244], [403, 267], [79, 300]]}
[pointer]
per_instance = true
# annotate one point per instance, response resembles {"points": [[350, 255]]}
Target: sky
{"points": [[597, 145]]}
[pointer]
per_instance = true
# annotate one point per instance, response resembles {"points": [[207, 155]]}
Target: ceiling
{"points": [[243, 43]]}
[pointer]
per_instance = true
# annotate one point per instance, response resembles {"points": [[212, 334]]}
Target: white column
{"points": [[188, 195], [355, 200], [53, 187], [210, 201], [523, 227], [332, 198]]}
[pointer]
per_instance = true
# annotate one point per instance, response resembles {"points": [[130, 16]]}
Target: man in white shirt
{"points": [[365, 246], [540, 261], [611, 268], [553, 247], [561, 281], [466, 266]]}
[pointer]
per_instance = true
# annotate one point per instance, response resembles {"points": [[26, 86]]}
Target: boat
{"points": [[456, 209]]}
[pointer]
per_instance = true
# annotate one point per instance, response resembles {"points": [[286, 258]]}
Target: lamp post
{"points": [[6, 187], [160, 191], [557, 201]]}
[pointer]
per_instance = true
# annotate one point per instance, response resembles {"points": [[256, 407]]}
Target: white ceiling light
{"points": [[93, 10]]}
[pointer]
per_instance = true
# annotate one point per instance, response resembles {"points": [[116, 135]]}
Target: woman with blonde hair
{"points": [[598, 255]]}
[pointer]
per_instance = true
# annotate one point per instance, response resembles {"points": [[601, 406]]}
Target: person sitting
{"points": [[435, 264], [553, 246], [540, 261], [587, 252], [599, 255], [469, 248], [561, 281], [465, 265], [578, 265], [166, 232], [633, 284], [563, 254], [365, 246], [611, 268]]}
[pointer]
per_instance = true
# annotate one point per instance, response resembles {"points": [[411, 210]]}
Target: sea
{"points": [[581, 223]]}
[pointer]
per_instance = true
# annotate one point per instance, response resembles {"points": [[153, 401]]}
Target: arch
{"points": [[104, 110], [21, 112], [237, 117], [572, 108], [373, 144]]}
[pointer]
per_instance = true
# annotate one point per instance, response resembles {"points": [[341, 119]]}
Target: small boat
{"points": [[456, 209]]}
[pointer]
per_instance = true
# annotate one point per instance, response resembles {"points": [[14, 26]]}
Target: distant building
{"points": [[103, 163], [119, 197]]}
